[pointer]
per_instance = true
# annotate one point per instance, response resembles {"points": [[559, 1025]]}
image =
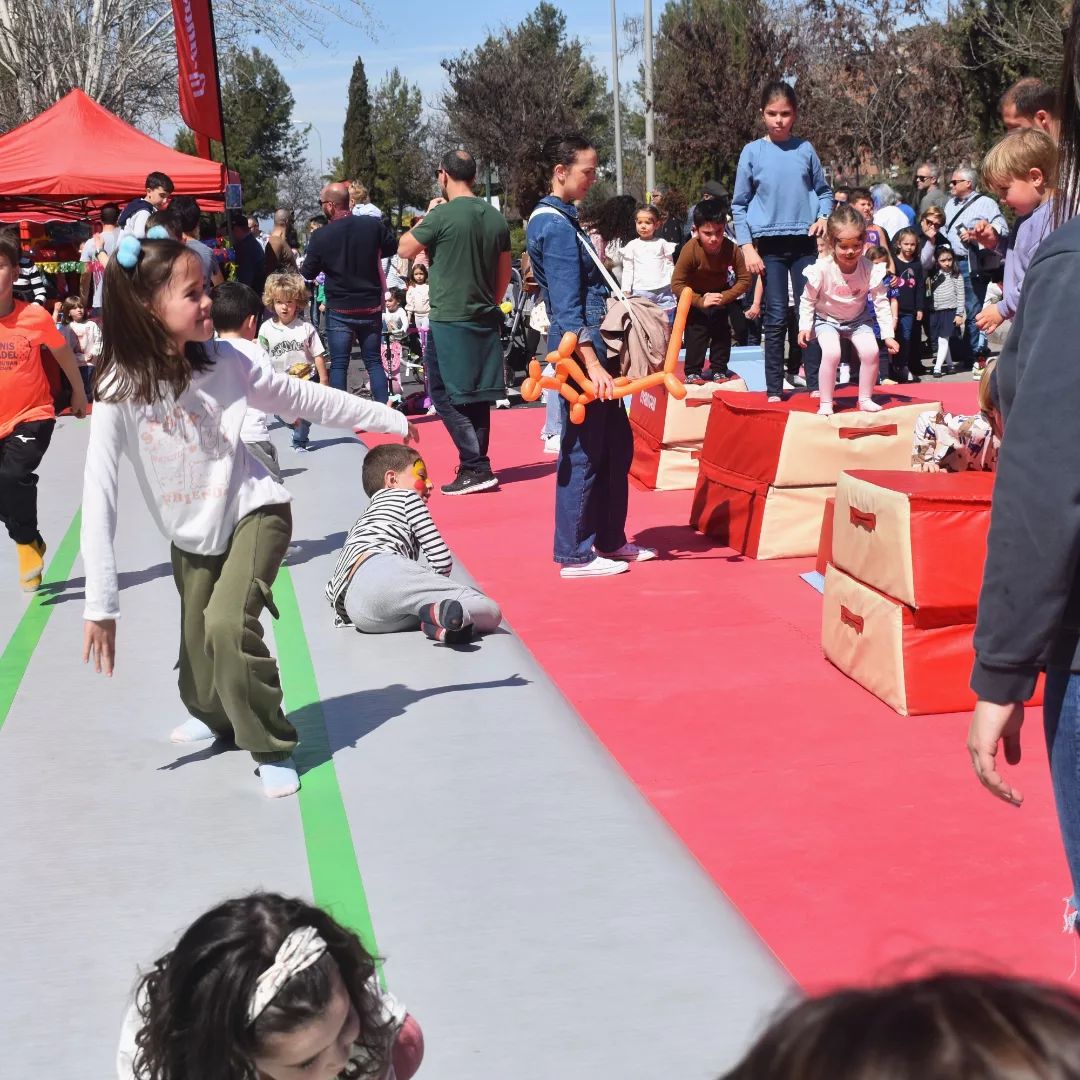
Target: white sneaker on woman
{"points": [[598, 567], [630, 553]]}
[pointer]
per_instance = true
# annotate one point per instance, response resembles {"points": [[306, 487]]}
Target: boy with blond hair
{"points": [[293, 344], [1021, 169]]}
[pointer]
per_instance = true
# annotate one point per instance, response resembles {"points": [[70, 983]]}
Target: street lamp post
{"points": [[308, 128], [650, 117], [615, 94]]}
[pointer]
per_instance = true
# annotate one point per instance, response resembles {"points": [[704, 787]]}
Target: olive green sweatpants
{"points": [[228, 679]]}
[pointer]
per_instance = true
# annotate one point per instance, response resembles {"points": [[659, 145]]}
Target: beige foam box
{"points": [[758, 519], [668, 434], [786, 444], [879, 642], [917, 537]]}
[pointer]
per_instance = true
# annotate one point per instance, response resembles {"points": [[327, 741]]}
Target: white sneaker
{"points": [[798, 380], [630, 553], [551, 444], [502, 403], [431, 410], [788, 384], [844, 376], [598, 567]]}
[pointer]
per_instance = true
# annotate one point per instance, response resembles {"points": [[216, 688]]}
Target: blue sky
{"points": [[429, 32]]}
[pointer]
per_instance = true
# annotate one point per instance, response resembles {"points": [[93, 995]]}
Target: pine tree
{"points": [[357, 144]]}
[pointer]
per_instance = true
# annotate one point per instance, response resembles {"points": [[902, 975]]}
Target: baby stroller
{"points": [[514, 333]]}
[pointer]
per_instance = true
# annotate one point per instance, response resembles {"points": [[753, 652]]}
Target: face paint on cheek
{"points": [[420, 472]]}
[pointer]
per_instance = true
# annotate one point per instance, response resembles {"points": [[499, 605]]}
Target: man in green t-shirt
{"points": [[468, 243]]}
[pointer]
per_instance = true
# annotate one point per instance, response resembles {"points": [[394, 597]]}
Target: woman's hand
{"points": [[990, 725], [752, 259], [99, 644], [601, 380], [818, 228]]}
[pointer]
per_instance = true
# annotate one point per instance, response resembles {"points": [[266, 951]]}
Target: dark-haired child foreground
{"points": [[174, 402], [379, 585], [267, 988], [944, 1027]]}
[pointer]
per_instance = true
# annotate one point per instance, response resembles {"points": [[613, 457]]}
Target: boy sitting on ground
{"points": [[379, 585]]}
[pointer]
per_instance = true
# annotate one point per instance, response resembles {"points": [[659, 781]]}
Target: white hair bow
{"points": [[298, 952]]}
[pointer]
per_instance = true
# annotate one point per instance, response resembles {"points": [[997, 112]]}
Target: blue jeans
{"points": [[341, 332], [552, 412], [974, 297], [1061, 719], [900, 364], [785, 257], [592, 485], [301, 432]]}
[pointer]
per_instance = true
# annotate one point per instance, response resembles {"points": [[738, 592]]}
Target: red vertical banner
{"points": [[200, 104]]}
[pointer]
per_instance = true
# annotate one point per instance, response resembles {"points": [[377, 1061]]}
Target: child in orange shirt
{"points": [[27, 416]]}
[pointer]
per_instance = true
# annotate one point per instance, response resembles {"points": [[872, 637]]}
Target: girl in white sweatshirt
{"points": [[648, 262], [843, 293], [174, 402]]}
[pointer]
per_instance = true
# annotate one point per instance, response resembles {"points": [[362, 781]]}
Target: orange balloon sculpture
{"points": [[565, 360]]}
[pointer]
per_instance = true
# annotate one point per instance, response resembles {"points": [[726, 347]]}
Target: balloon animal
{"points": [[565, 360]]}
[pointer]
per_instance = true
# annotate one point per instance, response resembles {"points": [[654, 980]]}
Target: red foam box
{"points": [[825, 542]]}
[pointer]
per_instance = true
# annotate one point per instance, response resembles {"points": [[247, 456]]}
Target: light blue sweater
{"points": [[780, 190]]}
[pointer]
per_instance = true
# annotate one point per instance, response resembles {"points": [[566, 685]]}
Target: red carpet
{"points": [[850, 838]]}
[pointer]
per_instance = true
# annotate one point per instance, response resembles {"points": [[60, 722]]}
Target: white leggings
{"points": [[866, 347]]}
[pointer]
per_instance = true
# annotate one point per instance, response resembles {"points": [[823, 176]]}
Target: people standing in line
{"points": [[927, 185], [250, 258], [468, 243], [96, 253], [159, 189], [592, 485], [910, 283], [174, 402], [978, 264], [188, 217], [1027, 617], [780, 206], [349, 251], [278, 251], [1031, 103], [27, 413]]}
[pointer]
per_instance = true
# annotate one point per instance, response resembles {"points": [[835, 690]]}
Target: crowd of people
{"points": [[186, 372]]}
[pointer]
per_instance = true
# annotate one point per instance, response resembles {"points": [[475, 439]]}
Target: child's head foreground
{"points": [[73, 310], [939, 1028], [946, 260], [846, 229], [236, 310], [419, 274], [906, 244], [395, 298], [262, 986], [394, 465], [155, 322], [710, 220], [285, 294], [1021, 168]]}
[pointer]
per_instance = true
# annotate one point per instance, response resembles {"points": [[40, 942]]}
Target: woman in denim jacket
{"points": [[594, 457]]}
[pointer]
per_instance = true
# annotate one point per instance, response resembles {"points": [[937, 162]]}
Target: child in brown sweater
{"points": [[712, 266]]}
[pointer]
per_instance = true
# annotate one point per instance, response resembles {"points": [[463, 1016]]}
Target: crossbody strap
{"points": [[547, 208], [966, 203]]}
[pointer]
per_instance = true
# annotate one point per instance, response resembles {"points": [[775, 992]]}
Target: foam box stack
{"points": [[767, 470], [902, 587], [668, 434]]}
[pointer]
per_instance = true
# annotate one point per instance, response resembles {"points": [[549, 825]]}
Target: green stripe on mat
{"points": [[24, 640], [336, 883]]}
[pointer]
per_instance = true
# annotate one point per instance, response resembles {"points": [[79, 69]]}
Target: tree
{"points": [[710, 57], [123, 53], [402, 172], [518, 87], [357, 143], [263, 143]]}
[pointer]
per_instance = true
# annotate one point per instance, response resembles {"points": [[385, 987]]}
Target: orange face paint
{"points": [[421, 484]]}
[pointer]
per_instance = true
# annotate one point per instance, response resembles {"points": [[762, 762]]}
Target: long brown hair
{"points": [[139, 359], [193, 1004]]}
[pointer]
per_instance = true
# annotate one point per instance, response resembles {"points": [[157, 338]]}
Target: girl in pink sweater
{"points": [[834, 306]]}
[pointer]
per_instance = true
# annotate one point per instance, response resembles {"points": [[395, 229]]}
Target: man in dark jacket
{"points": [[349, 250]]}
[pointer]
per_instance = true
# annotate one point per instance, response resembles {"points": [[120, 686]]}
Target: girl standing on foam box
{"points": [[780, 205]]}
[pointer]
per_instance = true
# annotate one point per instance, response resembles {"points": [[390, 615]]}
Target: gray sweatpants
{"points": [[387, 593]]}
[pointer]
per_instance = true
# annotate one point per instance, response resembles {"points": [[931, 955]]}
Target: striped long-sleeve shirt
{"points": [[396, 522], [30, 284], [947, 292]]}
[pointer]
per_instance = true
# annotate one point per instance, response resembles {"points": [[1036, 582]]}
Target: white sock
{"points": [[825, 409], [191, 730], [868, 405], [279, 778]]}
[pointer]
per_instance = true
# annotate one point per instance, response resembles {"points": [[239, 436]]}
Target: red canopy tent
{"points": [[77, 155]]}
